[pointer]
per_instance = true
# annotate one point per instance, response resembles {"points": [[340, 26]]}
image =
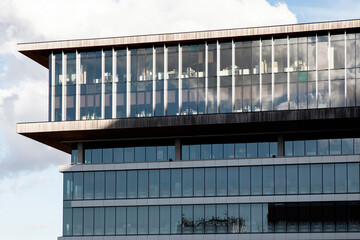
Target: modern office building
{"points": [[249, 133]]}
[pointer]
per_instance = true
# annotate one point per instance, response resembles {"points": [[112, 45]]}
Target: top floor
{"points": [[302, 66]]}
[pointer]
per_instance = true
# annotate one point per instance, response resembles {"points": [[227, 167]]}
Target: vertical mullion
{"points": [[114, 82], [77, 96], [165, 79], [232, 75], [206, 77], [217, 76], [180, 79], [154, 82], [102, 84], [63, 93], [128, 78], [52, 109]]}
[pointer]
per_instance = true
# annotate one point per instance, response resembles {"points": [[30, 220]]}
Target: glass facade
{"points": [[330, 178], [290, 217], [318, 71]]}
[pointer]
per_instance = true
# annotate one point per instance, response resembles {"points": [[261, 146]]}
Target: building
{"points": [[248, 133]]}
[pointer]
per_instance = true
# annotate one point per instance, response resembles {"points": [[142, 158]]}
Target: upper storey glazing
{"points": [[320, 70]]}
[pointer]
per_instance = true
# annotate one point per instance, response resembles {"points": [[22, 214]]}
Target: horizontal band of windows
{"points": [[213, 219], [209, 182]]}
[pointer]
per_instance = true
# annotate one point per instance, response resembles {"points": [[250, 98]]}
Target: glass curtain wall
{"points": [[90, 85], [193, 79], [318, 71]]}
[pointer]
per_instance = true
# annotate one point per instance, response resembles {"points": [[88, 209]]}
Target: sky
{"points": [[30, 184]]}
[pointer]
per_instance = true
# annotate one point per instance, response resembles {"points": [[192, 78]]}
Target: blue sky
{"points": [[30, 184]]}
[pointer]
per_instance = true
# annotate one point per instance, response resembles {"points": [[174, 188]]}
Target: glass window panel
{"points": [[245, 218], [341, 216], [139, 154], [279, 217], [233, 181], [175, 182], [292, 179], [256, 218], [89, 221], [151, 154], [347, 146], [316, 178], [354, 217], [310, 147], [199, 219], [323, 146], [78, 185], [153, 183], [244, 180], [96, 155], [155, 220], [194, 152], [217, 151], [335, 146], [234, 219], [131, 184], [263, 149], [164, 219], [129, 154], [143, 184], [340, 178], [268, 180], [110, 185], [329, 217], [165, 183], [171, 153], [210, 182], [356, 145], [187, 182], [280, 180], [74, 156], [121, 184], [228, 150], [187, 219], [221, 218], [316, 217], [87, 155], [299, 148], [240, 150], [353, 177], [273, 149], [110, 221], [304, 179], [68, 186], [304, 217], [161, 153], [143, 220], [210, 218], [199, 182], [268, 225], [176, 220], [99, 221], [107, 155], [205, 151], [292, 217], [118, 155], [77, 221], [89, 184], [256, 180], [185, 152], [251, 150], [221, 181], [328, 178], [120, 220], [131, 220], [99, 185], [337, 52]]}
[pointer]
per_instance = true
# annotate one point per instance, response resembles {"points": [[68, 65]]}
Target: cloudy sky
{"points": [[30, 185]]}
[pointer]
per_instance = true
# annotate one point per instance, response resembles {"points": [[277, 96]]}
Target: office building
{"points": [[248, 133]]}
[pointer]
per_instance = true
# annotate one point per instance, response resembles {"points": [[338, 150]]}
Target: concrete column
{"points": [[281, 146], [177, 150]]}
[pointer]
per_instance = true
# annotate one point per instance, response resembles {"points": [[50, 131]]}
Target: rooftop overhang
{"points": [[40, 51], [307, 123]]}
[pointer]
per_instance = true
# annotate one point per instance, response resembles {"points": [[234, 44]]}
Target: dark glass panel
{"points": [[89, 221], [121, 184], [187, 182], [210, 219], [316, 178], [245, 218], [110, 185], [233, 218], [77, 221], [256, 218], [256, 180], [78, 186], [199, 219], [292, 179], [175, 182], [187, 219], [99, 185], [129, 154], [340, 178], [268, 180], [176, 220], [221, 218], [107, 155], [131, 184], [194, 152], [165, 183], [328, 178], [164, 219], [304, 179]]}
